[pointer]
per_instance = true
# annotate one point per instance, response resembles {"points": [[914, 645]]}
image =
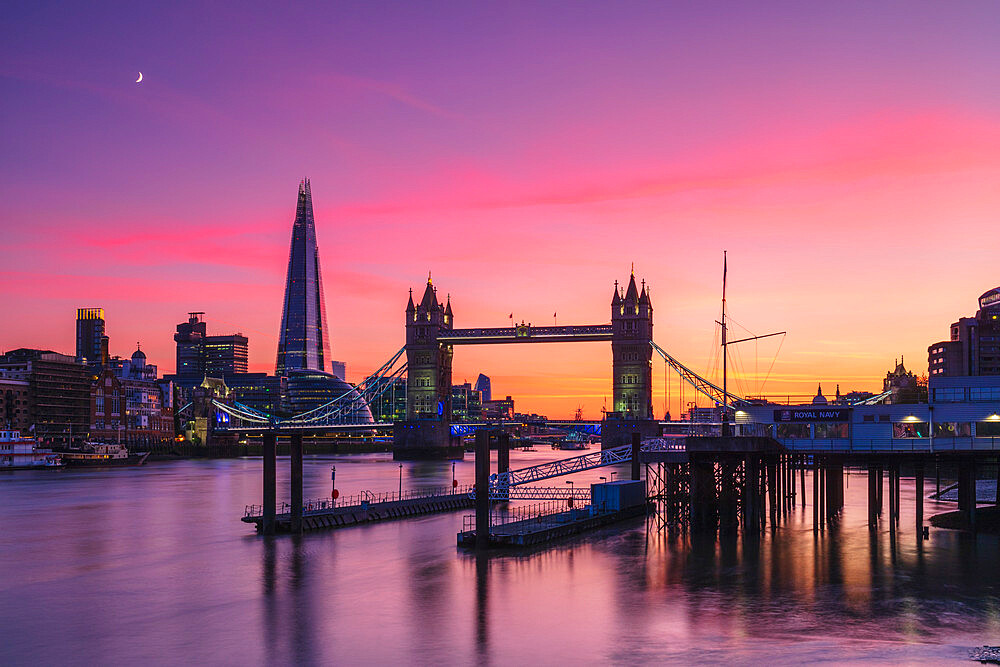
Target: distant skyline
{"points": [[846, 155]]}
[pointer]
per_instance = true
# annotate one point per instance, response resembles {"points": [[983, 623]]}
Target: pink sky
{"points": [[847, 157]]}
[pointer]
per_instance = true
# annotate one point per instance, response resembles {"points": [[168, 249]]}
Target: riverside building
{"points": [[974, 346], [58, 393]]}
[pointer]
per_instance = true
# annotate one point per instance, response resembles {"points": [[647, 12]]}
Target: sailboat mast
{"points": [[725, 389]]}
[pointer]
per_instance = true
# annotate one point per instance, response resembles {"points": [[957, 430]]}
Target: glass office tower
{"points": [[304, 341]]}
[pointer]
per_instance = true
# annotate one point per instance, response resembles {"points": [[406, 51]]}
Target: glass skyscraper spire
{"points": [[304, 341]]}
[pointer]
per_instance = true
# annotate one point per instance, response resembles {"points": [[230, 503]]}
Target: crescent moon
{"points": [[139, 80]]}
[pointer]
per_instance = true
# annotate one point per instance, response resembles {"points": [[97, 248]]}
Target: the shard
{"points": [[304, 341]]}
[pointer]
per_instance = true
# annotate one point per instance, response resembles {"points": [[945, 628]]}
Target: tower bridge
{"points": [[431, 337]]}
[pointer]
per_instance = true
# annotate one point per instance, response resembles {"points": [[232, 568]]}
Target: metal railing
{"points": [[530, 516], [710, 429], [924, 445], [579, 496], [361, 500]]}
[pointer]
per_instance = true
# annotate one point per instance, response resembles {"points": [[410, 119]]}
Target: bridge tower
{"points": [[426, 433], [632, 366]]}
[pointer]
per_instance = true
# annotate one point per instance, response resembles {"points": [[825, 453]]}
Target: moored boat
{"points": [[20, 453], [102, 454]]}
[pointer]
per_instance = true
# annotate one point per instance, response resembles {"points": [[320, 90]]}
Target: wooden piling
{"points": [[919, 492]]}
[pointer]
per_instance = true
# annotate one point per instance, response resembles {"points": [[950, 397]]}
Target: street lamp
{"points": [[454, 484], [613, 476], [570, 482], [400, 481], [604, 478]]}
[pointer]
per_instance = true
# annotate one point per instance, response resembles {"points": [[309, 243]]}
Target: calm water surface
{"points": [[152, 565]]}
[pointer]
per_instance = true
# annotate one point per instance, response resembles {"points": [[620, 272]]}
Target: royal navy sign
{"points": [[812, 415]]}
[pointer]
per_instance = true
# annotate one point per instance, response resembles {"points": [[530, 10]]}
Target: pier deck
{"points": [[325, 514], [549, 527]]}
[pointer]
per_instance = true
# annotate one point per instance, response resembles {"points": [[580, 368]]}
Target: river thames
{"points": [[152, 565]]}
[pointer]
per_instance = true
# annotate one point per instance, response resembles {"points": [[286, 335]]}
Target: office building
{"points": [[466, 403], [225, 355], [200, 355], [389, 406], [974, 346], [501, 409], [304, 339], [91, 341], [483, 387], [259, 391]]}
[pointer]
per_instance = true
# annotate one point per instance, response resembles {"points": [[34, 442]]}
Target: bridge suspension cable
{"points": [[343, 409], [699, 383]]}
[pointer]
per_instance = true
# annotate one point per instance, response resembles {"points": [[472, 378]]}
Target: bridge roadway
{"points": [[525, 333]]}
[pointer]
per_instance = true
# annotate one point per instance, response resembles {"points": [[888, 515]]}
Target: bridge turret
{"points": [[428, 387], [632, 332]]}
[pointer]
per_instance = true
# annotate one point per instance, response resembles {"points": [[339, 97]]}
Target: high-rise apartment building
{"points": [[304, 339], [91, 342], [974, 347]]}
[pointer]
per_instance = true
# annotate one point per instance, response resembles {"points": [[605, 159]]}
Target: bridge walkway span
{"points": [[601, 459]]}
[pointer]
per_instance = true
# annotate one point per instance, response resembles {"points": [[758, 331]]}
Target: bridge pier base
{"points": [[422, 440], [270, 479], [617, 432]]}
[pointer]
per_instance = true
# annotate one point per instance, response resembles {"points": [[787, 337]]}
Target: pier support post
{"points": [[967, 491], [295, 450], [503, 458], [751, 472], [835, 487], [895, 472], [636, 443], [729, 520], [482, 489], [772, 490], [802, 478], [880, 484], [815, 493], [872, 495], [703, 499], [919, 499], [997, 501], [270, 498], [892, 498]]}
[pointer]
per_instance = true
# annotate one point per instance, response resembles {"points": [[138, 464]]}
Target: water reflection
{"points": [[190, 581]]}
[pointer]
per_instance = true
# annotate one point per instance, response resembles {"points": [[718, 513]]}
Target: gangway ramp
{"points": [[605, 457]]}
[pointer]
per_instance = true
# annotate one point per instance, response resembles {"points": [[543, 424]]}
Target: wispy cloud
{"points": [[391, 90]]}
